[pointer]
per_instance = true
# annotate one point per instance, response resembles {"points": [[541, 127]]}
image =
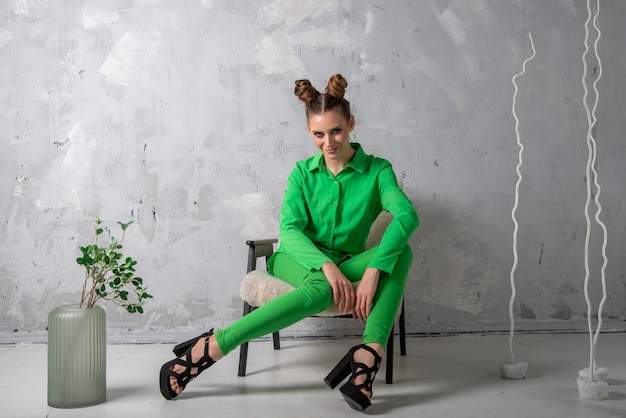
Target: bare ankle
{"points": [[215, 352], [378, 348]]}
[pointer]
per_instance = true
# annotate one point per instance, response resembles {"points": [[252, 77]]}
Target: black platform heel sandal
{"points": [[341, 370], [180, 349], [183, 379], [352, 392]]}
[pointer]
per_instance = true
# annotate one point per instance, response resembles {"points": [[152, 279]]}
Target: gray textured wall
{"points": [[181, 117]]}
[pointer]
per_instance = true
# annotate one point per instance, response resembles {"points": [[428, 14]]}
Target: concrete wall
{"points": [[181, 117]]}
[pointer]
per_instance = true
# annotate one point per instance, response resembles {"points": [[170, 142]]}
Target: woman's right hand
{"points": [[343, 292]]}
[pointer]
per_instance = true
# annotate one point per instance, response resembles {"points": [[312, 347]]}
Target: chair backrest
{"points": [[378, 229], [379, 226]]}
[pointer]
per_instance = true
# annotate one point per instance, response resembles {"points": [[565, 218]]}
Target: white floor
{"points": [[440, 377]]}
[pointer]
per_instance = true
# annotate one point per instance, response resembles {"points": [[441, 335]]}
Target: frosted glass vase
{"points": [[76, 356]]}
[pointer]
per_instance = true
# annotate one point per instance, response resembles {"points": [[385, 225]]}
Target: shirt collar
{"points": [[357, 163]]}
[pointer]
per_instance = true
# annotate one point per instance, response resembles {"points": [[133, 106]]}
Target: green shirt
{"points": [[327, 218]]}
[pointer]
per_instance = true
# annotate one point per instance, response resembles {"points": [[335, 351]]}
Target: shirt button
{"points": [[334, 203]]}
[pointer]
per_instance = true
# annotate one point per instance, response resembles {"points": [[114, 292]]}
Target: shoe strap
{"points": [[359, 369], [185, 360]]}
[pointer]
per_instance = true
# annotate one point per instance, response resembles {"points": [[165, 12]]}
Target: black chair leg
{"points": [[243, 349], [402, 332], [276, 338], [389, 373]]}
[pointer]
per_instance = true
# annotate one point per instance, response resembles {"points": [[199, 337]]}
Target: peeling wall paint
{"points": [[181, 117]]}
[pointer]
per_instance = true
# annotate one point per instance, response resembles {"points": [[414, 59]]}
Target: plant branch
{"points": [[112, 275]]}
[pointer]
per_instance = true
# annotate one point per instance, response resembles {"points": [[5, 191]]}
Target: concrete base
{"points": [[600, 373], [595, 390], [513, 371]]}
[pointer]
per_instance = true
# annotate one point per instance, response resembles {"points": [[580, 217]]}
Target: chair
{"points": [[259, 287]]}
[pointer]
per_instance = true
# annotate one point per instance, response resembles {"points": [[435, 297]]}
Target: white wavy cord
{"points": [[588, 184], [519, 180], [591, 145], [597, 184]]}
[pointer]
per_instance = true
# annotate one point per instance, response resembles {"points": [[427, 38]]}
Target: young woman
{"points": [[330, 203]]}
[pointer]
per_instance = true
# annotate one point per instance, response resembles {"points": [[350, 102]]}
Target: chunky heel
{"points": [[340, 372], [180, 349], [351, 391]]}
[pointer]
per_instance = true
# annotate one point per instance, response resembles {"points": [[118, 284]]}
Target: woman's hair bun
{"points": [[337, 86], [305, 91]]}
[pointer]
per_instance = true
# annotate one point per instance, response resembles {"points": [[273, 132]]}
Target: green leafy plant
{"points": [[109, 275]]}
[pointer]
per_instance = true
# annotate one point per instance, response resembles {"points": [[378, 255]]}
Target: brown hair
{"points": [[317, 103]]}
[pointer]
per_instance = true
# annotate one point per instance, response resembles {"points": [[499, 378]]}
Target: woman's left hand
{"points": [[365, 293]]}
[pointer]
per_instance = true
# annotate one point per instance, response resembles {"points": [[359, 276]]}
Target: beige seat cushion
{"points": [[259, 287]]}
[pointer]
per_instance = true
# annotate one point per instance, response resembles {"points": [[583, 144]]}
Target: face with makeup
{"points": [[330, 132]]}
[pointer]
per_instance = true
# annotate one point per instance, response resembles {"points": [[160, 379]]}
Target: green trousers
{"points": [[312, 294]]}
